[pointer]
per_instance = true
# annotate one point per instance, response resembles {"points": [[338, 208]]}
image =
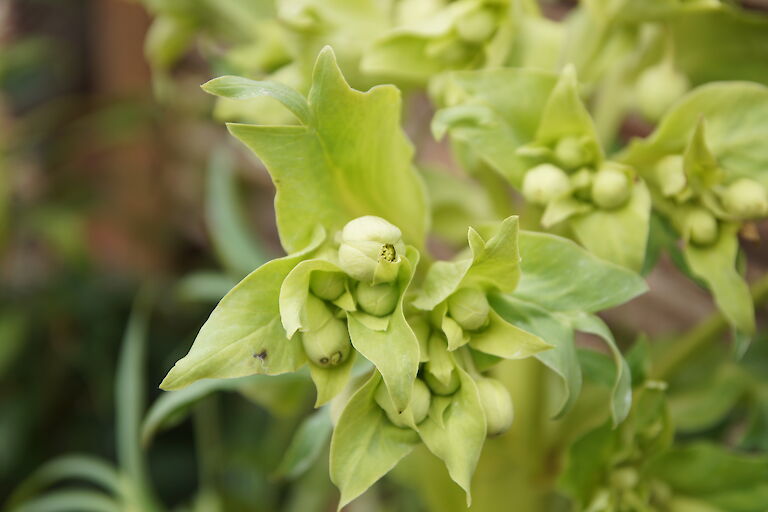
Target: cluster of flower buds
{"points": [[573, 172], [698, 213], [370, 253]]}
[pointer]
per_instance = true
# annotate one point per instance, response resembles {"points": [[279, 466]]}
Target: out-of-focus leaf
{"points": [[71, 501], [232, 239], [307, 444], [204, 287]]}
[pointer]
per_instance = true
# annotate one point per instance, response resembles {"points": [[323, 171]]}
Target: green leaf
{"points": [[558, 275], [504, 340], [354, 153], [455, 431], [494, 265], [232, 239], [621, 397], [238, 88], [736, 115], [565, 115], [729, 480], [715, 265], [619, 236], [294, 291], [307, 444], [378, 346], [68, 467], [365, 445], [562, 359], [329, 382], [700, 165], [71, 500], [505, 122], [587, 463], [244, 336]]}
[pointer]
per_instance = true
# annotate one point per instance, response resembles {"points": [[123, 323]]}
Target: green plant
{"points": [[420, 355]]}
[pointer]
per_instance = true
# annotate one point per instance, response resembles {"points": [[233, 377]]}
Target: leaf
{"points": [[700, 165], [455, 431], [129, 397], [238, 88], [506, 122], [398, 339], [294, 291], [232, 239], [71, 500], [67, 467], [715, 265], [736, 115], [562, 359], [587, 462], [620, 235], [307, 444], [621, 396], [494, 265], [351, 149], [244, 336], [331, 381], [565, 115], [558, 275], [365, 445], [729, 480], [504, 340], [203, 287]]}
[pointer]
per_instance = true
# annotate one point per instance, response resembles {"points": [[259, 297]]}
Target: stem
{"points": [[687, 346]]}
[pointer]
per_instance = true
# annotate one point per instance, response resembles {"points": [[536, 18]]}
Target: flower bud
{"points": [[544, 183], [469, 307], [477, 26], [418, 406], [327, 285], [670, 174], [371, 249], [658, 88], [571, 153], [581, 183], [325, 338], [700, 226], [497, 405], [610, 187], [625, 478], [377, 299], [746, 199], [439, 372]]}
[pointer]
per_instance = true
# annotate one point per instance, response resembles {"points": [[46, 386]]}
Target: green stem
{"points": [[687, 346]]}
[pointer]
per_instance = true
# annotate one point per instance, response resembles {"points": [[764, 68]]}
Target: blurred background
{"points": [[115, 178]]}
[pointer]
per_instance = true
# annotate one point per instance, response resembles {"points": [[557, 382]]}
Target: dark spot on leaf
{"points": [[261, 355]]}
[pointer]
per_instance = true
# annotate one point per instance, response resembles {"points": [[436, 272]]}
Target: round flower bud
{"points": [[700, 226], [625, 478], [581, 183], [377, 299], [497, 405], [325, 338], [327, 285], [544, 183], [571, 153], [610, 187], [329, 345], [469, 307], [371, 249], [419, 405], [746, 199], [477, 26], [670, 174], [658, 88]]}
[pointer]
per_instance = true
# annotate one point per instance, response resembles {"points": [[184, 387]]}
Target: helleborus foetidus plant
{"points": [[353, 285]]}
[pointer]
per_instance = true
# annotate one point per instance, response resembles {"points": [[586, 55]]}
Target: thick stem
{"points": [[687, 346]]}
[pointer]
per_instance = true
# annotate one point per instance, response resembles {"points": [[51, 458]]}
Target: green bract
{"points": [[371, 250]]}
